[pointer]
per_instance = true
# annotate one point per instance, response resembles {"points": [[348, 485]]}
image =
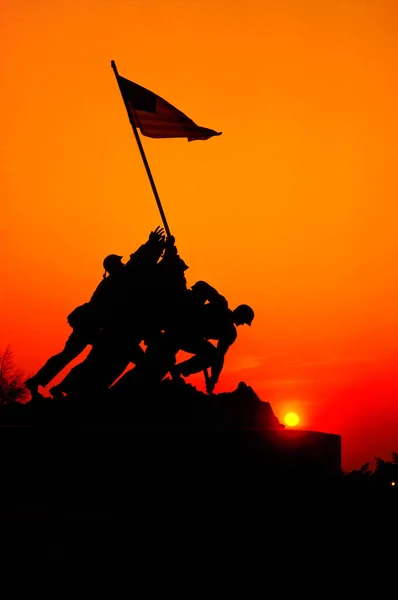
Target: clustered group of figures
{"points": [[144, 303]]}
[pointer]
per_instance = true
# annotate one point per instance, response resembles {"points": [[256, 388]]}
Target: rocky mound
{"points": [[168, 404]]}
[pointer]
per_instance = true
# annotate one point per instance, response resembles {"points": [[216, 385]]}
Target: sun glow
{"points": [[292, 419]]}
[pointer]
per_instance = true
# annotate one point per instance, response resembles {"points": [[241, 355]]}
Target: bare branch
{"points": [[12, 387]]}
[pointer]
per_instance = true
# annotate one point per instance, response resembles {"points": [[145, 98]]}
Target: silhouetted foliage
{"points": [[385, 474], [362, 473], [12, 388]]}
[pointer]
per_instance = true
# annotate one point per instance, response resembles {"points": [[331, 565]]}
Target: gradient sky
{"points": [[293, 210]]}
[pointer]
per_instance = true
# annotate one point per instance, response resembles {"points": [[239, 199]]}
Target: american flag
{"points": [[157, 118]]}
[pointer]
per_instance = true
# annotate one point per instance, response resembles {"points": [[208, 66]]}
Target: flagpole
{"points": [[144, 159]]}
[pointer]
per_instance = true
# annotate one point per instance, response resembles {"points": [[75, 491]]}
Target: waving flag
{"points": [[157, 118]]}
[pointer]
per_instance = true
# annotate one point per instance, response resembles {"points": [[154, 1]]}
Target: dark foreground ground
{"points": [[169, 509], [163, 534], [165, 517]]}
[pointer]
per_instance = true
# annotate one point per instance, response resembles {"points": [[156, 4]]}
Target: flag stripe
{"points": [[164, 125]]}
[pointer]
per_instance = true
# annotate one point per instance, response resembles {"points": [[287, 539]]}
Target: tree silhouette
{"points": [[12, 388], [384, 476], [387, 471]]}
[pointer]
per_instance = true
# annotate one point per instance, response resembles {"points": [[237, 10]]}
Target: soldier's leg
{"points": [[107, 360], [120, 351], [75, 344], [74, 380], [110, 367], [206, 355]]}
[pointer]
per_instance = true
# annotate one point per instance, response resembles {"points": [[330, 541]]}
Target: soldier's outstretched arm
{"points": [[153, 247]]}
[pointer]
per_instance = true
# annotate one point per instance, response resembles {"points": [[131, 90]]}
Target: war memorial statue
{"points": [[140, 316]]}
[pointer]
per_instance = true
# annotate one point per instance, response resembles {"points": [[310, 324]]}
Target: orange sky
{"points": [[292, 210]]}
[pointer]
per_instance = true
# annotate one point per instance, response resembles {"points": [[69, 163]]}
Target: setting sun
{"points": [[291, 419]]}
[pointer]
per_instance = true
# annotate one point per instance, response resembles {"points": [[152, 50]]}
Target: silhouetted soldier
{"points": [[103, 309], [164, 303], [168, 287], [97, 306], [85, 330], [202, 314], [149, 310], [115, 302], [207, 317], [115, 299]]}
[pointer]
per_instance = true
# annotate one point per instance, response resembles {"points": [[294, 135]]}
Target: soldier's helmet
{"points": [[243, 314], [112, 262]]}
